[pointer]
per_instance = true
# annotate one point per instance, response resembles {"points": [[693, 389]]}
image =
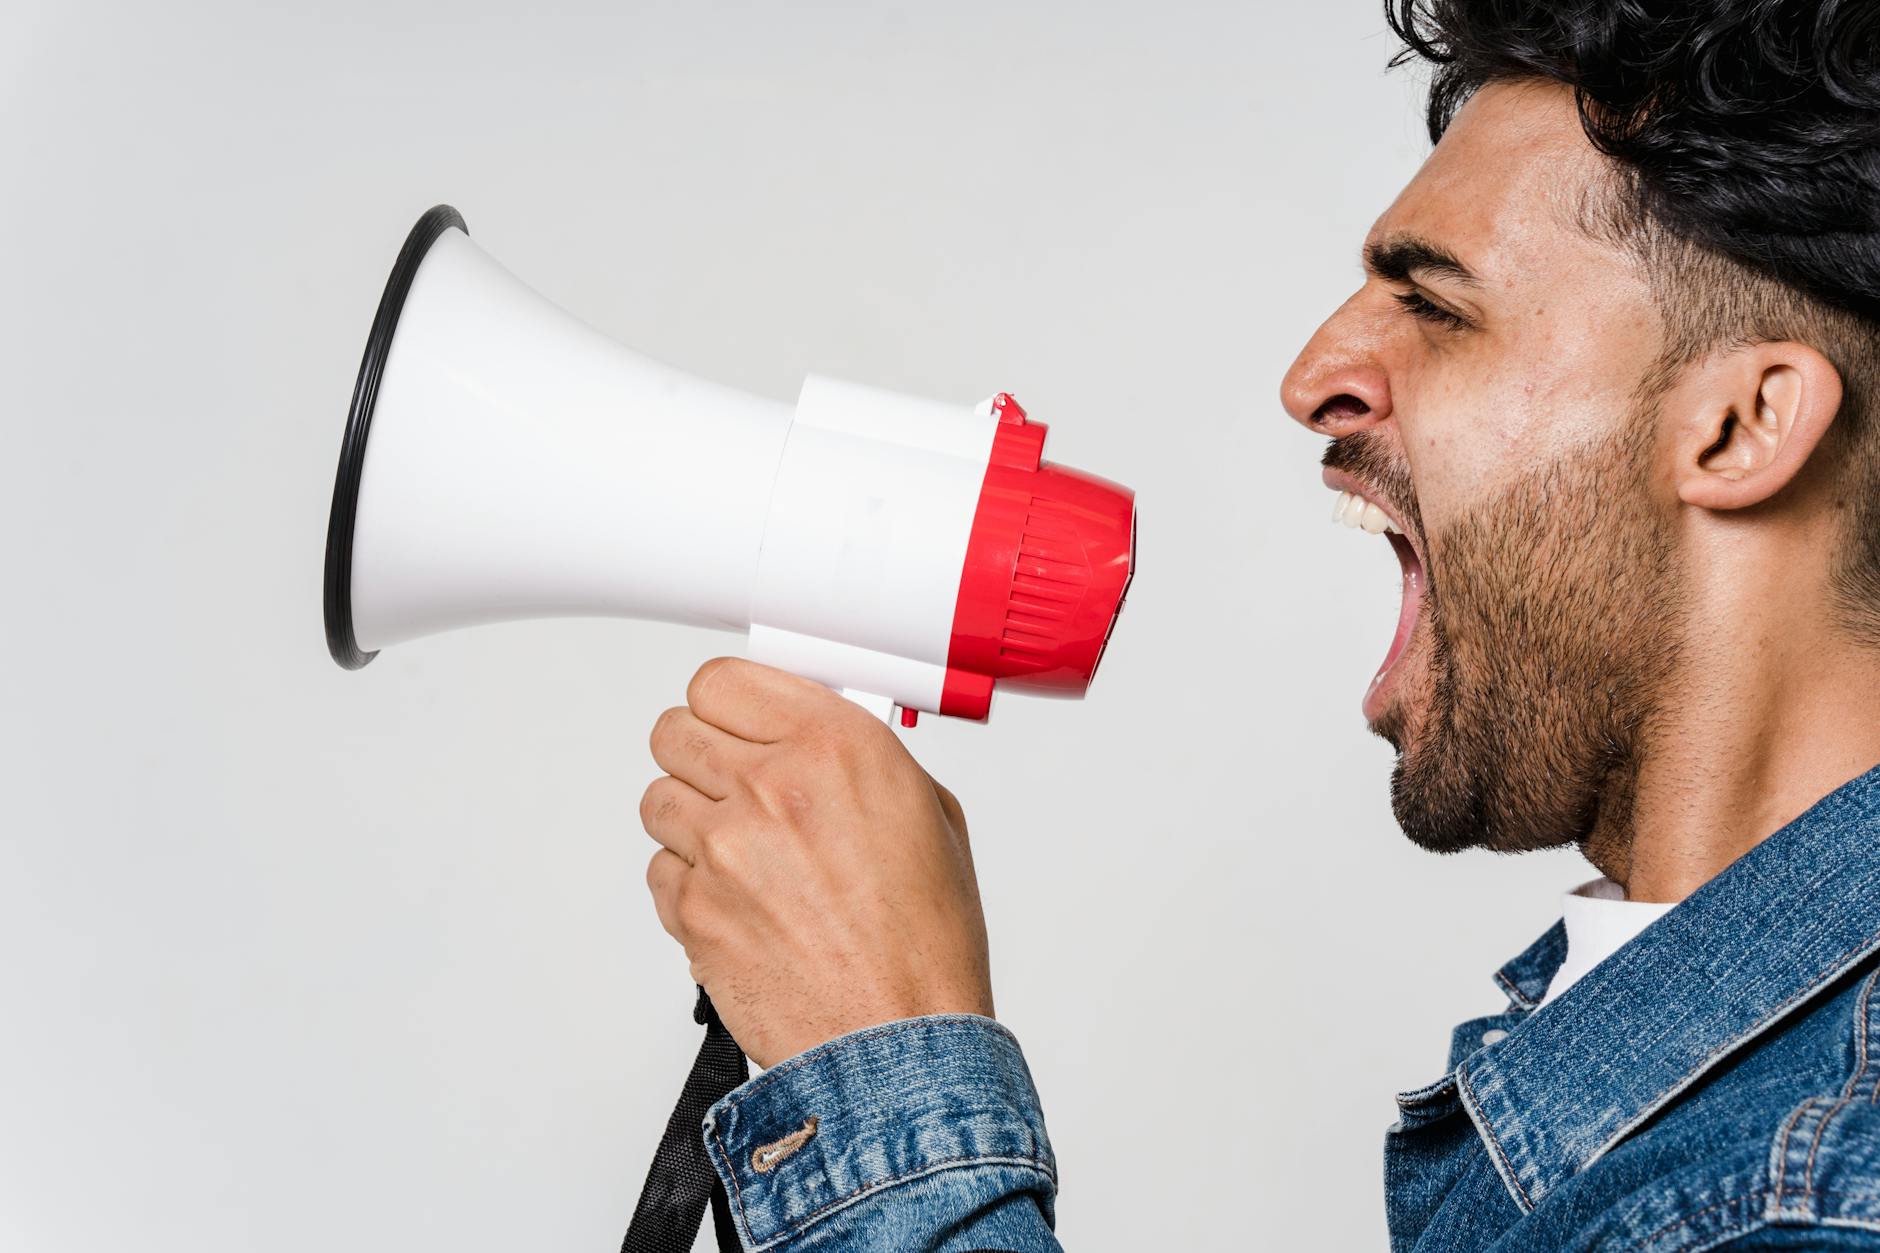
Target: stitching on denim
{"points": [[1840, 965], [1727, 1237], [1865, 1224], [1853, 1082], [767, 1157], [892, 1028], [1696, 1214], [1864, 1024], [1857, 1224], [1488, 1133], [1862, 1010], [877, 1185], [1514, 994], [1780, 1163], [1834, 805], [1427, 1093], [1814, 1145], [737, 1189]]}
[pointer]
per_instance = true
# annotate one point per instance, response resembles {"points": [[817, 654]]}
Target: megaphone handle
{"points": [[682, 1179], [880, 706], [829, 663]]}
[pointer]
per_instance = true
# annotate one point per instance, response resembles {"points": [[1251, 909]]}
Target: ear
{"points": [[1755, 415]]}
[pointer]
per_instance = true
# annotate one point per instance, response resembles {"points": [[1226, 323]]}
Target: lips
{"points": [[1360, 507]]}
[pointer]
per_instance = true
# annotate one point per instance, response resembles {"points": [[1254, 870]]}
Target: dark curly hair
{"points": [[1745, 145]]}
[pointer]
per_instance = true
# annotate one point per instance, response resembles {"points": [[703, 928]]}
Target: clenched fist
{"points": [[818, 878]]}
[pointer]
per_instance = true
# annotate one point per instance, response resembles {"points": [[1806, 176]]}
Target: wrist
{"points": [[770, 1048]]}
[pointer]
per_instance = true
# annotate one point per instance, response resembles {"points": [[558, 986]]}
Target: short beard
{"points": [[1552, 612]]}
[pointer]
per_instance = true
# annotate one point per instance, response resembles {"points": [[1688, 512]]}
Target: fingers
{"points": [[756, 702], [664, 875], [676, 814], [696, 752]]}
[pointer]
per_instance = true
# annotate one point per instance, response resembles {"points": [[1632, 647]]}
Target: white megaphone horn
{"points": [[503, 460]]}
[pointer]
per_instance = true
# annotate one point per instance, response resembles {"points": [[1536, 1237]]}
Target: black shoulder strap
{"points": [[681, 1179]]}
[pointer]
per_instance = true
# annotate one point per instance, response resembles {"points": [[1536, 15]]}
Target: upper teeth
{"points": [[1354, 510]]}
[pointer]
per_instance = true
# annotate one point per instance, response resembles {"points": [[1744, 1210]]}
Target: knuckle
{"points": [[760, 776], [852, 760], [794, 802], [691, 910], [858, 736], [719, 856], [725, 852], [949, 804], [850, 753], [778, 784]]}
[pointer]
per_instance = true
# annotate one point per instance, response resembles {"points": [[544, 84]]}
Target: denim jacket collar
{"points": [[1525, 978], [1730, 961]]}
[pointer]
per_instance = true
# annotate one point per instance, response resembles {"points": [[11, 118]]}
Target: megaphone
{"points": [[503, 460]]}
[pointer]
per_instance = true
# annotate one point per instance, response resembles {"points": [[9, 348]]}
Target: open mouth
{"points": [[1360, 512]]}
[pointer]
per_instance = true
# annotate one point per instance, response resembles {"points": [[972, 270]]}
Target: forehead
{"points": [[1505, 188]]}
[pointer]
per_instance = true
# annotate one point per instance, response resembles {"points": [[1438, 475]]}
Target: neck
{"points": [[1761, 720]]}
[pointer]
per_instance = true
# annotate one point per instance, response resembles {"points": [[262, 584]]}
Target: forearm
{"points": [[922, 1136]]}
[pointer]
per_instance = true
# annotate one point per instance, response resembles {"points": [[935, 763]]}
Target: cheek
{"points": [[1464, 436], [1478, 425]]}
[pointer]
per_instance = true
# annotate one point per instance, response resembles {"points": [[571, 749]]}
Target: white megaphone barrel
{"points": [[503, 460], [516, 463]]}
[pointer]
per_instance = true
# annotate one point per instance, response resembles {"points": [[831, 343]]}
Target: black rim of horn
{"points": [[340, 640]]}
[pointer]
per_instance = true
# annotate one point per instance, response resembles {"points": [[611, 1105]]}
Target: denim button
{"points": [[1494, 1035]]}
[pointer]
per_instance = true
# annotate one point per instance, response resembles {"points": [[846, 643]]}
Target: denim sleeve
{"points": [[921, 1136]]}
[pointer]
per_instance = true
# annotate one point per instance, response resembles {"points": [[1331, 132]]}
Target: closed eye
{"points": [[1419, 306]]}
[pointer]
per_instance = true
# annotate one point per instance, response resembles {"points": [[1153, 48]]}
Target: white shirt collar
{"points": [[1600, 921]]}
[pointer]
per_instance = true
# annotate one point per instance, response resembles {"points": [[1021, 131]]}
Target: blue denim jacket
{"points": [[1714, 1085]]}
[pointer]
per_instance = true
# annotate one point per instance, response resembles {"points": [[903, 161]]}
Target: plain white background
{"points": [[299, 959]]}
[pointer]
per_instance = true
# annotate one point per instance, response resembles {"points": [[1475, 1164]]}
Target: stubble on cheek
{"points": [[1549, 631]]}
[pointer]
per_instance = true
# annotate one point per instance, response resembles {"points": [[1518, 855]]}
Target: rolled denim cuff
{"points": [[837, 1125]]}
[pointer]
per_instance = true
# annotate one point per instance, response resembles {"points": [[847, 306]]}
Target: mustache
{"points": [[1367, 457]]}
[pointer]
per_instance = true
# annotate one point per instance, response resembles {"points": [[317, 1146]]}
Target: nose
{"points": [[1337, 385]]}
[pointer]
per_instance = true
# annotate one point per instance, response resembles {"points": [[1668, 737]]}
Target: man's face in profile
{"points": [[1491, 388]]}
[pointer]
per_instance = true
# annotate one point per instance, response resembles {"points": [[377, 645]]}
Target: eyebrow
{"points": [[1401, 258]]}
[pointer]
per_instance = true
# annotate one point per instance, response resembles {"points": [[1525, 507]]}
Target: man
{"points": [[1610, 390]]}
